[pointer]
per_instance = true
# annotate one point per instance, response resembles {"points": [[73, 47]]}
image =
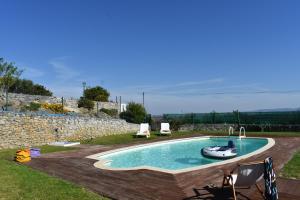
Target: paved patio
{"points": [[148, 184]]}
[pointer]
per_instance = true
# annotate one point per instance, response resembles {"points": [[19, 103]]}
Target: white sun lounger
{"points": [[165, 129], [64, 144], [144, 130]]}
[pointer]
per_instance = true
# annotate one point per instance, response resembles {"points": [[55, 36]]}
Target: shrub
{"points": [[25, 86], [85, 103], [96, 94], [31, 107], [110, 112], [135, 113], [56, 108], [174, 125]]}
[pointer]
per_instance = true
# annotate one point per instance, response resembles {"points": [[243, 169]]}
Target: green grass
{"points": [[292, 168], [131, 138], [8, 154], [21, 182]]}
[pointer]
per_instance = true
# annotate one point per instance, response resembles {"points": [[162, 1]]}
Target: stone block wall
{"points": [[24, 130], [107, 105], [18, 100]]}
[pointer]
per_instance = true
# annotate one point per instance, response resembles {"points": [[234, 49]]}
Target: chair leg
{"points": [[233, 189], [260, 191], [223, 183]]}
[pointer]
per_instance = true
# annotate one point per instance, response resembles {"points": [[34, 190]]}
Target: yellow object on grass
{"points": [[23, 159], [23, 155]]}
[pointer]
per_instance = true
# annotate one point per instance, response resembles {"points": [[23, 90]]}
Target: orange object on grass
{"points": [[23, 155]]}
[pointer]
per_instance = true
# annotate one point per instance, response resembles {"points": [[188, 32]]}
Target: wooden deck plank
{"points": [[148, 184]]}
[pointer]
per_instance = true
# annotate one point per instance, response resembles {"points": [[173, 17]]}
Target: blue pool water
{"points": [[177, 155]]}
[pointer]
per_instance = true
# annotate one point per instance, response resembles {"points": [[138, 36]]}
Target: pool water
{"points": [[176, 155]]}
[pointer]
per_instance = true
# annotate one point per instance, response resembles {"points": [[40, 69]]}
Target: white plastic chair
{"points": [[144, 130], [165, 129]]}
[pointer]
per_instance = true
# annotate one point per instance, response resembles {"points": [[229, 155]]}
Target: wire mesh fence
{"points": [[285, 118]]}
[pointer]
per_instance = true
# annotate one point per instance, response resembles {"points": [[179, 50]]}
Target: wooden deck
{"points": [[148, 184]]}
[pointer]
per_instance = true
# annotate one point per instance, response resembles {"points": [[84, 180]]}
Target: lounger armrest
{"points": [[250, 163], [230, 171], [227, 172]]}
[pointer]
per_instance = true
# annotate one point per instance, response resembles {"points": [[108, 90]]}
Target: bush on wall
{"points": [[110, 112], [96, 94], [86, 103], [31, 107], [174, 125], [25, 86], [135, 113]]}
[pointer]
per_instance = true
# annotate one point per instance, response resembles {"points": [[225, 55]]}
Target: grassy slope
{"points": [[21, 182], [292, 168]]}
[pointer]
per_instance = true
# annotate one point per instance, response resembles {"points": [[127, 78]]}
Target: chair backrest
{"points": [[249, 174], [144, 127], [165, 126]]}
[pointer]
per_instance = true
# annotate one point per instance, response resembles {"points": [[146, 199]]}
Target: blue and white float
{"points": [[221, 152]]}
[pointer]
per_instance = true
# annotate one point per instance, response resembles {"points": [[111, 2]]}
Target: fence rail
{"points": [[236, 117]]}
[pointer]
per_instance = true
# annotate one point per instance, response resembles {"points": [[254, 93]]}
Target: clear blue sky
{"points": [[187, 56]]}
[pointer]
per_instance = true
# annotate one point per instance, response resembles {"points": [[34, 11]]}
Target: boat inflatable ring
{"points": [[220, 152]]}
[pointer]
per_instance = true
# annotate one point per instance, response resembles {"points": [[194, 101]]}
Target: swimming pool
{"points": [[177, 155]]}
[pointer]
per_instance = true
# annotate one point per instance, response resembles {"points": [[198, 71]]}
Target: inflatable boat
{"points": [[222, 152]]}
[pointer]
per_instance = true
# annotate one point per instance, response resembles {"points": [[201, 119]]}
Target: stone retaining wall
{"points": [[21, 130], [18, 100]]}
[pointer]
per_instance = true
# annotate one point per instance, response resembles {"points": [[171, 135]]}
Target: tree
{"points": [[86, 103], [25, 86], [96, 94], [9, 73], [135, 113]]}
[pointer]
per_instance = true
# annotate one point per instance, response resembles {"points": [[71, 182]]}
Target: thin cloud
{"points": [[30, 72], [67, 78], [193, 83], [159, 104], [237, 88], [176, 86], [207, 97], [63, 72], [215, 86], [67, 91]]}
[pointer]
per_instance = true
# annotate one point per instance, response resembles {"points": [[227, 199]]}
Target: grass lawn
{"points": [[130, 138], [292, 168], [21, 182]]}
